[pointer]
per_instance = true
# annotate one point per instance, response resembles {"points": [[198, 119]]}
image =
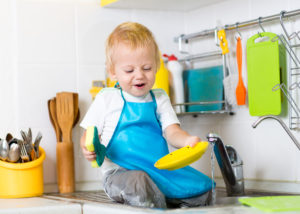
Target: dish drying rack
{"points": [[226, 107], [291, 43]]}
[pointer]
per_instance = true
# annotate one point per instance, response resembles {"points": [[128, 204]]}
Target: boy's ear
{"points": [[112, 74]]}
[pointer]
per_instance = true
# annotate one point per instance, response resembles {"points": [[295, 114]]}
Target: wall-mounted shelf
{"points": [[170, 5], [183, 105]]}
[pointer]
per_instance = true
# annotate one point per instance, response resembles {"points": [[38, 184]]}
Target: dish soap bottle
{"points": [[162, 78], [176, 70]]}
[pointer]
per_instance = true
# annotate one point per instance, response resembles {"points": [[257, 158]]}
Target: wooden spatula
{"points": [[65, 114]]}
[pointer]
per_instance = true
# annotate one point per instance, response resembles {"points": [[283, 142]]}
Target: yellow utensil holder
{"points": [[20, 180]]}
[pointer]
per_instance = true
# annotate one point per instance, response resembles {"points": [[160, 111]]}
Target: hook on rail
{"points": [[180, 40], [237, 30], [260, 25]]}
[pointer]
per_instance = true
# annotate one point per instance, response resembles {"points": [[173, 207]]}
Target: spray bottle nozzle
{"points": [[170, 57]]}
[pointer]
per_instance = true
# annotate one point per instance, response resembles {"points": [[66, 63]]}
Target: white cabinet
{"points": [[173, 5]]}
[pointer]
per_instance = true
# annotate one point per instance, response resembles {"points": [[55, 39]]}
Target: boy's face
{"points": [[134, 69]]}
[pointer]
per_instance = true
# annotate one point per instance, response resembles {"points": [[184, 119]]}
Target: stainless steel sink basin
{"points": [[100, 197]]}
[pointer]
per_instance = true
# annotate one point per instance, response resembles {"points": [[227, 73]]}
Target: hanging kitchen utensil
{"points": [[223, 41], [65, 114], [263, 69], [240, 89]]}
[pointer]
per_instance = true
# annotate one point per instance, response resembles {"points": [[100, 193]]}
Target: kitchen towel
{"points": [[273, 203], [204, 85]]}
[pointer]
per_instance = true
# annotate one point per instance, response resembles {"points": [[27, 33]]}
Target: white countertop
{"points": [[38, 205], [53, 204]]}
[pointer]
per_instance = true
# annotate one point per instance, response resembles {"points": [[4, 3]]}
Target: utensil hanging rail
{"points": [[210, 32], [201, 56]]}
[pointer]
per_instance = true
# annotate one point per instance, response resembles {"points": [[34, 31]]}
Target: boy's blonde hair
{"points": [[133, 34]]}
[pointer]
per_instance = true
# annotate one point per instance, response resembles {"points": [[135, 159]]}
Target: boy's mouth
{"points": [[140, 85]]}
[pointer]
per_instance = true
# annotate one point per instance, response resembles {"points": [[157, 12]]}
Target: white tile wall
{"points": [[274, 152], [36, 84], [7, 70], [165, 25], [94, 26], [46, 32], [51, 46]]}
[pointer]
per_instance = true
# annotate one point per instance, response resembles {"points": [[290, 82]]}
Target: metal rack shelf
{"points": [[226, 108], [183, 105], [293, 86]]}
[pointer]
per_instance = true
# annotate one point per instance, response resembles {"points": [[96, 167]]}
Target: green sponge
{"points": [[93, 144]]}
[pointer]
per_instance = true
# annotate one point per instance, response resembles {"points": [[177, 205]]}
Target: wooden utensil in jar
{"points": [[53, 118], [65, 114], [76, 109], [65, 167]]}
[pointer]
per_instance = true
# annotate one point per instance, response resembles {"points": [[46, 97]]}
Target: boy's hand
{"points": [[192, 141], [90, 156]]}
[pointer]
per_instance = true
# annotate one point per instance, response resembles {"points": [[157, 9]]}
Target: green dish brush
{"points": [[93, 144]]}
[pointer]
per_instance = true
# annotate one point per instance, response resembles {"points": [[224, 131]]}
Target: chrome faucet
{"points": [[231, 165], [254, 125]]}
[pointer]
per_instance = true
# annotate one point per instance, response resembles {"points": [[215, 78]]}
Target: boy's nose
{"points": [[139, 74]]}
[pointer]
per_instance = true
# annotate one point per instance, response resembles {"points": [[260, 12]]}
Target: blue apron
{"points": [[137, 143]]}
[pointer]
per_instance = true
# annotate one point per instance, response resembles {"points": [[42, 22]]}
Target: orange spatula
{"points": [[240, 89]]}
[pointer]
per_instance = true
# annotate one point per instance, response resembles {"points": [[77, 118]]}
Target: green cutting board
{"points": [[273, 203], [263, 70]]}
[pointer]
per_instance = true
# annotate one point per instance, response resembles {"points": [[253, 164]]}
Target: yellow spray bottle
{"points": [[162, 77]]}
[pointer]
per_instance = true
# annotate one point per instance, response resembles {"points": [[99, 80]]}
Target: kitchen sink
{"points": [[100, 197]]}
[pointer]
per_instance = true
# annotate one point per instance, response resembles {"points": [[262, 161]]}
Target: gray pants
{"points": [[136, 188]]}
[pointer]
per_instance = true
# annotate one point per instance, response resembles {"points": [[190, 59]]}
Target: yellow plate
{"points": [[182, 157]]}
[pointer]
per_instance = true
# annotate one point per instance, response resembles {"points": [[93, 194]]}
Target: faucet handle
{"points": [[212, 137], [233, 156]]}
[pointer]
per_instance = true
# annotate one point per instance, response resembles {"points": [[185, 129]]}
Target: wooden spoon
{"points": [[76, 109], [76, 119], [53, 118]]}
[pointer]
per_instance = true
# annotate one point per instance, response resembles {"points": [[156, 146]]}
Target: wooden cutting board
{"points": [[263, 69]]}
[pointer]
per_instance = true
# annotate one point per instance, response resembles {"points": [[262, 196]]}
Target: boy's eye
{"points": [[147, 68], [129, 71]]}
